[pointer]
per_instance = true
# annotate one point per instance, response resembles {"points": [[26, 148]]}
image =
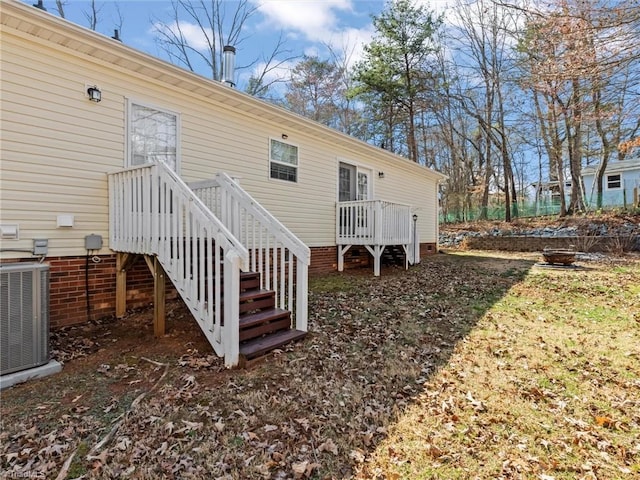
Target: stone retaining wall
{"points": [[537, 244]]}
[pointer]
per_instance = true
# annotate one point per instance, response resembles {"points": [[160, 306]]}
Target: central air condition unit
{"points": [[24, 316]]}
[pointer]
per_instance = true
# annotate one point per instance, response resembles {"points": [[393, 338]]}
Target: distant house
{"points": [[120, 170], [621, 187], [621, 183]]}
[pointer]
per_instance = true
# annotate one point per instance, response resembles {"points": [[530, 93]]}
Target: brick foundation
{"points": [[428, 249], [325, 259], [67, 288]]}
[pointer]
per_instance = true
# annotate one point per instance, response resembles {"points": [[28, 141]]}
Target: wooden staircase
{"points": [[263, 326], [393, 255], [202, 237]]}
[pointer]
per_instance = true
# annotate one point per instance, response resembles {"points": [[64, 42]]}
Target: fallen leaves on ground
{"points": [[473, 366]]}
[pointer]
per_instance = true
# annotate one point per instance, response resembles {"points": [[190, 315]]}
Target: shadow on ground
{"points": [[167, 408]]}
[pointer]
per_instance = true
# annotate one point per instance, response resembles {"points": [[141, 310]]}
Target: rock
{"points": [[571, 227]]}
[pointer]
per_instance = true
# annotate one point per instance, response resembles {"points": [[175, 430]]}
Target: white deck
{"points": [[375, 224]]}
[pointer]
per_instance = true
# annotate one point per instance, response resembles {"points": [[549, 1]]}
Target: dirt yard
{"points": [[397, 379]]}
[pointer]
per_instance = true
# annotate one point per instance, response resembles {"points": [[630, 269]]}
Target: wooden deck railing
{"points": [[153, 212], [276, 253], [373, 222]]}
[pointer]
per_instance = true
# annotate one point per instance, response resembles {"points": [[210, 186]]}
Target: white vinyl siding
{"points": [[283, 161]]}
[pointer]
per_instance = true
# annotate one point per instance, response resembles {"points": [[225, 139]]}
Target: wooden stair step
{"points": [[251, 300], [260, 346], [250, 320], [249, 280], [265, 328], [249, 275], [255, 294]]}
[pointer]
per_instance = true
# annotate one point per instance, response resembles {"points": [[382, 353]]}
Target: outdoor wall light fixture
{"points": [[415, 217], [380, 174], [285, 136], [95, 95]]}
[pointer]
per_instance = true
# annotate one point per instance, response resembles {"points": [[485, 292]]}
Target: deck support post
{"points": [[123, 262], [376, 251], [159, 283], [406, 256], [231, 336], [302, 296], [341, 252]]}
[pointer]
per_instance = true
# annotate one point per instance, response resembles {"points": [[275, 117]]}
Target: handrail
{"points": [[281, 259], [373, 222], [230, 241], [286, 236], [385, 203], [153, 212]]}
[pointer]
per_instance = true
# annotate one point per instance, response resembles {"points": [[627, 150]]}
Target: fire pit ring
{"points": [[562, 256]]}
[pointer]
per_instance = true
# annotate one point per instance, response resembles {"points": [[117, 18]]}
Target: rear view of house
{"points": [[120, 171]]}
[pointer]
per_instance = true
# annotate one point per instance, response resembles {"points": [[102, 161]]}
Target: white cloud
{"points": [[313, 19], [322, 22], [276, 75], [194, 35]]}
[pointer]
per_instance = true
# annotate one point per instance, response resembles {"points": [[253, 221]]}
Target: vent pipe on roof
{"points": [[228, 65], [116, 35], [40, 5]]}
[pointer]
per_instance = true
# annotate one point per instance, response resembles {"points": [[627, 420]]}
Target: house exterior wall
{"points": [[57, 147], [615, 197]]}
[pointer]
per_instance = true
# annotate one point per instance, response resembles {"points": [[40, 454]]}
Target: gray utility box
{"points": [[24, 316]]}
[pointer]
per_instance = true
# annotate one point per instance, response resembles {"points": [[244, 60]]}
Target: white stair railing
{"points": [[274, 251], [153, 212]]}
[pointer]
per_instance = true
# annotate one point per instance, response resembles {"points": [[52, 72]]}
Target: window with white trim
{"points": [[153, 136], [614, 181], [283, 161]]}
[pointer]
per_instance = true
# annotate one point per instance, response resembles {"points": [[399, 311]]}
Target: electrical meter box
{"points": [[40, 246], [93, 242]]}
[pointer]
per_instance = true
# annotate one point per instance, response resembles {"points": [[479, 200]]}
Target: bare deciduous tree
{"points": [[198, 30], [92, 15], [60, 4]]}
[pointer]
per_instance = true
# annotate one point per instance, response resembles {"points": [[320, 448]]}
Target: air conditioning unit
{"points": [[24, 316]]}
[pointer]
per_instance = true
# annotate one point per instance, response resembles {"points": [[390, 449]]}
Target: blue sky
{"points": [[306, 25]]}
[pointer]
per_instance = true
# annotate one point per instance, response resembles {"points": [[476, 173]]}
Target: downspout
{"points": [[437, 215]]}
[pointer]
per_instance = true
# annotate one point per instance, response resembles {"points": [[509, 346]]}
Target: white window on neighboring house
{"points": [[614, 181], [153, 136], [283, 161]]}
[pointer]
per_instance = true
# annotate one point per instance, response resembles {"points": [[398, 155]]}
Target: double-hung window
{"points": [[152, 136], [283, 161]]}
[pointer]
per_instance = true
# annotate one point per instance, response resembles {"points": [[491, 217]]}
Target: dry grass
{"points": [[467, 366], [621, 244], [546, 386]]}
